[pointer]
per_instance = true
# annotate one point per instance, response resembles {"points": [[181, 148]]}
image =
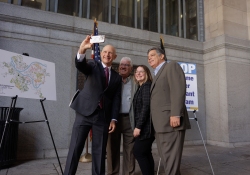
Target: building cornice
{"points": [[114, 36], [227, 42]]}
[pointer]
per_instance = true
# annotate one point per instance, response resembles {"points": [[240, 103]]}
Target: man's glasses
{"points": [[126, 65]]}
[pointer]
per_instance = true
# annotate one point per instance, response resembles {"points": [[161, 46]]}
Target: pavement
{"points": [[225, 161]]}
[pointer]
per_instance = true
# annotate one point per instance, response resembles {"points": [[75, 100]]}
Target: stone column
{"points": [[227, 70]]}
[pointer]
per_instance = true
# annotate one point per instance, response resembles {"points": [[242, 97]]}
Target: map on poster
{"points": [[26, 77], [191, 85]]}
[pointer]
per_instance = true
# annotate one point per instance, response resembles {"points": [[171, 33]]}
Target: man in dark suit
{"points": [[97, 107], [168, 110]]}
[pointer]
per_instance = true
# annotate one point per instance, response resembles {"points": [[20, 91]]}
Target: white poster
{"points": [[26, 77], [191, 85]]}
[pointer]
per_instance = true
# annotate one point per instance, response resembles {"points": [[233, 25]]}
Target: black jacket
{"points": [[141, 103], [94, 90]]}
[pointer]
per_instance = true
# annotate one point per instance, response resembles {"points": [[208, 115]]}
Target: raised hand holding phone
{"points": [[97, 39]]}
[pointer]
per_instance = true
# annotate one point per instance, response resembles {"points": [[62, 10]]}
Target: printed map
{"points": [[26, 77]]}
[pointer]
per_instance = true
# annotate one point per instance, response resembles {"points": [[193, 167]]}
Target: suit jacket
{"points": [[168, 92], [94, 90], [134, 87], [141, 104]]}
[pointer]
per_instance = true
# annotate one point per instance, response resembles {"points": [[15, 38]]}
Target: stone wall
{"points": [[55, 37], [227, 66], [227, 17]]}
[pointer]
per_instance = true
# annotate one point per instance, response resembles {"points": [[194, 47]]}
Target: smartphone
{"points": [[97, 39]]}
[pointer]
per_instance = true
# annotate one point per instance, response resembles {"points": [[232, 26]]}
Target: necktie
{"points": [[106, 70]]}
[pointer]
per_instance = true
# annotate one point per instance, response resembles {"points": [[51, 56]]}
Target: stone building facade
{"points": [[221, 52]]}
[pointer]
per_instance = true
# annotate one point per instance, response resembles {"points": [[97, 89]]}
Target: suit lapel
{"points": [[157, 76], [103, 77], [133, 89], [112, 77]]}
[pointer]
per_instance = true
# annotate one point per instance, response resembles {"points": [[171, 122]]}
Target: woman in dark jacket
{"points": [[143, 131]]}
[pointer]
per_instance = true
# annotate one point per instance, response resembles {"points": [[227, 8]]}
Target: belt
{"points": [[124, 114]]}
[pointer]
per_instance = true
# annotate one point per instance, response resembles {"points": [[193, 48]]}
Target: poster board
{"points": [[26, 76], [191, 85]]}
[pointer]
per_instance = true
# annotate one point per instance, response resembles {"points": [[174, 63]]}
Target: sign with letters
{"points": [[191, 85]]}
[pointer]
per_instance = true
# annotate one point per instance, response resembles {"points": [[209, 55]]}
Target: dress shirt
{"points": [[126, 96], [158, 68], [80, 57]]}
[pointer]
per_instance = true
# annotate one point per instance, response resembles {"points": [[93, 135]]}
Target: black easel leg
{"points": [[12, 105], [203, 141], [50, 133]]}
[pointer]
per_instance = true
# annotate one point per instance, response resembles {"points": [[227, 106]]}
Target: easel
{"points": [[8, 120], [195, 118]]}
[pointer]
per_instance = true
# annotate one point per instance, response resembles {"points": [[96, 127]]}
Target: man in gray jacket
{"points": [[123, 126], [168, 110]]}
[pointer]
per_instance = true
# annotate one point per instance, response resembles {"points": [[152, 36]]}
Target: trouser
{"points": [[143, 155], [170, 147], [81, 128], [123, 127]]}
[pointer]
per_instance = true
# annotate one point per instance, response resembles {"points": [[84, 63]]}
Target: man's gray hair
{"points": [[127, 59], [158, 50]]}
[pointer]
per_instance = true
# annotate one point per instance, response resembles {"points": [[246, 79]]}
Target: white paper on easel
{"points": [[26, 76], [191, 85]]}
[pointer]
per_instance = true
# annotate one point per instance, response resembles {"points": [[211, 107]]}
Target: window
{"points": [[99, 10], [171, 17], [191, 19], [51, 5], [68, 7], [126, 13], [38, 4], [149, 15], [113, 11]]}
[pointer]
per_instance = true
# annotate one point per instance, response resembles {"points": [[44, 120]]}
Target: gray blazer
{"points": [[131, 110], [168, 92]]}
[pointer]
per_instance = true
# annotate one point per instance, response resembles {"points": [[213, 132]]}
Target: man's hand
{"points": [[175, 121], [85, 45], [136, 132], [112, 126]]}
